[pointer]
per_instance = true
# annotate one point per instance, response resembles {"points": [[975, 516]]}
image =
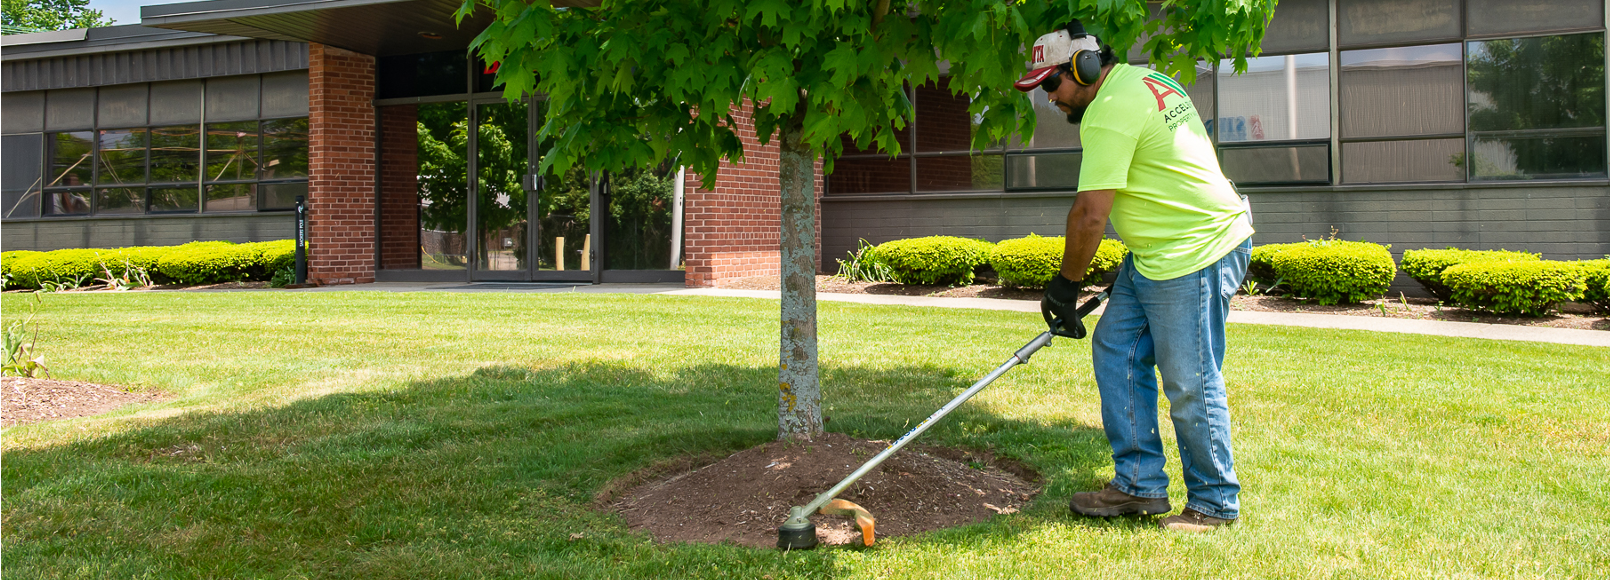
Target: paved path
{"points": [[1429, 327]]}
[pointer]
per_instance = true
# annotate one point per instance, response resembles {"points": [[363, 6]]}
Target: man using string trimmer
{"points": [[1149, 167]]}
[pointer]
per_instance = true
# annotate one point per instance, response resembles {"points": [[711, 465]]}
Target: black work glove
{"points": [[1060, 307]]}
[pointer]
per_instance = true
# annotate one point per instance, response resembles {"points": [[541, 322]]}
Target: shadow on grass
{"points": [[487, 475]]}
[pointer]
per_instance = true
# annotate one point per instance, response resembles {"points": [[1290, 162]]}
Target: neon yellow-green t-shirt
{"points": [[1174, 209]]}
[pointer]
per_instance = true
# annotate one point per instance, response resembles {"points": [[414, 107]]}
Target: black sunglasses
{"points": [[1053, 81]]}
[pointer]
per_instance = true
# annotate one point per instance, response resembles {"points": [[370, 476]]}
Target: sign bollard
{"points": [[301, 241]]}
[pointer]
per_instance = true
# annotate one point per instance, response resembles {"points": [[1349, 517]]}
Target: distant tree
{"points": [[1554, 82], [633, 83], [24, 16]]}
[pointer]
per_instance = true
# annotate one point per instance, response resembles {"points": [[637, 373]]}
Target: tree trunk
{"points": [[799, 402]]}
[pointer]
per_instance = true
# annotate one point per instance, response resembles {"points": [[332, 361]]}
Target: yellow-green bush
{"points": [[1596, 275], [934, 259], [1530, 288], [1335, 271], [1030, 262], [1426, 266], [210, 263], [9, 258], [192, 263], [71, 267], [1261, 267]]}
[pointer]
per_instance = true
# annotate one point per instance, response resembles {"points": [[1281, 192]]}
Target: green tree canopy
{"points": [[23, 16], [632, 83]]}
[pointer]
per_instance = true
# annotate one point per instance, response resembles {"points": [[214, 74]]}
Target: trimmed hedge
{"points": [[1596, 275], [1335, 271], [1261, 265], [1530, 288], [192, 263], [1426, 266], [934, 259], [1030, 262]]}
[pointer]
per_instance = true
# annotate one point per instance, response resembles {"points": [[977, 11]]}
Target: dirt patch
{"points": [[33, 400], [746, 496], [1571, 316]]}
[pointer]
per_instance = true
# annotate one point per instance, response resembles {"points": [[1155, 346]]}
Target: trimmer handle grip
{"points": [[1075, 328]]}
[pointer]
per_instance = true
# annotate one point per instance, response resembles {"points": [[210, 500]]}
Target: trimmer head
{"points": [[796, 537]]}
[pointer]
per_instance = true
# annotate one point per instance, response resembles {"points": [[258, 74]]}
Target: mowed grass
{"points": [[432, 435]]}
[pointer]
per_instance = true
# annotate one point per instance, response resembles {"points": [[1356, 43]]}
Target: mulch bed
{"points": [[33, 400], [746, 496], [1572, 315]]}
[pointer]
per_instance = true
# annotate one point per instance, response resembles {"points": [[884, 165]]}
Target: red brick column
{"points": [[399, 191], [733, 230], [341, 166]]}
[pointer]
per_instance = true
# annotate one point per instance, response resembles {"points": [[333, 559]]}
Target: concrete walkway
{"points": [[1428, 327]]}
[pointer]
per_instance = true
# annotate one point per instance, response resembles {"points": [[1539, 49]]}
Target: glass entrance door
{"points": [[502, 205]]}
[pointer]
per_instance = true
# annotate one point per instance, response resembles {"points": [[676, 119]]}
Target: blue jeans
{"points": [[1176, 328]]}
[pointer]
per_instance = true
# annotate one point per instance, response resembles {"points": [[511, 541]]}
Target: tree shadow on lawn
{"points": [[490, 474]]}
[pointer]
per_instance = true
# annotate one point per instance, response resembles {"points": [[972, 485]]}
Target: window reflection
{"points": [[285, 148], [1537, 107], [1400, 92], [175, 154], [122, 157], [1277, 98], [232, 151]]}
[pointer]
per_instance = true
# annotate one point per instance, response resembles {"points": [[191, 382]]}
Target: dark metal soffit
{"points": [[374, 27]]}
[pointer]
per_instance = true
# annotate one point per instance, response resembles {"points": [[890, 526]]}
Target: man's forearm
{"points": [[1087, 222]]}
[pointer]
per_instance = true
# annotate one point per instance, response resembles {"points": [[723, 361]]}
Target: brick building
{"points": [[1419, 123]]}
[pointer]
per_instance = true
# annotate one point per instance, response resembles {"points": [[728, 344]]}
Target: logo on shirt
{"points": [[1161, 87]]}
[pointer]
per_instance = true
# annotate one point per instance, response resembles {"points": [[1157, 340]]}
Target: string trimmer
{"points": [[798, 533]]}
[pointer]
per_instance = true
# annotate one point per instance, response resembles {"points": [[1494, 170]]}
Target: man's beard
{"points": [[1076, 115]]}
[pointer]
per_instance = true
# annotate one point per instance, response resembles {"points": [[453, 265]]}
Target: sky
{"points": [[126, 11]]}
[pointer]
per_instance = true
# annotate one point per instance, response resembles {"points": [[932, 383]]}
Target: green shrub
{"points": [[210, 262], [1530, 288], [1030, 262], [934, 259], [6, 260], [1335, 271], [70, 268], [272, 257], [1596, 275], [1426, 266], [1261, 266]]}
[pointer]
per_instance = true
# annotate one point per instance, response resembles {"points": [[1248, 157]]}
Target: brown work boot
{"points": [[1109, 502], [1193, 521]]}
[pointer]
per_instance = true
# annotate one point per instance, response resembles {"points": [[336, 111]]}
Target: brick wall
{"points": [[399, 193], [733, 231], [341, 154]]}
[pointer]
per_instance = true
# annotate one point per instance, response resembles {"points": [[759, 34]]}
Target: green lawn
{"points": [[379, 435]]}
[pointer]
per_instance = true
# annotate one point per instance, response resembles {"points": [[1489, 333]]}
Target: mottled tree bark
{"points": [[799, 403]]}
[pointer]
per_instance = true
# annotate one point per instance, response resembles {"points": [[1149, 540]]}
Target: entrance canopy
{"points": [[373, 27]]}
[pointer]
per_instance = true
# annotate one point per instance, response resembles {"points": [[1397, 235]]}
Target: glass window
{"points": [[1495, 17], [231, 197], [285, 148], [1051, 127], [285, 94], [1537, 107], [232, 151], [120, 201], [123, 106], [1277, 165], [1043, 171], [22, 112], [175, 199], [122, 157], [422, 75], [22, 174], [943, 123], [1385, 22], [877, 174], [233, 98], [1401, 92], [980, 172], [176, 102], [175, 154], [1424, 160], [73, 202], [1277, 98], [69, 110], [282, 195], [70, 158], [1298, 26]]}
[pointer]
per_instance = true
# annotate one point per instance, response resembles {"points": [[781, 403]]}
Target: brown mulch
{"points": [[33, 400], [746, 496], [1571, 315], [219, 286]]}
